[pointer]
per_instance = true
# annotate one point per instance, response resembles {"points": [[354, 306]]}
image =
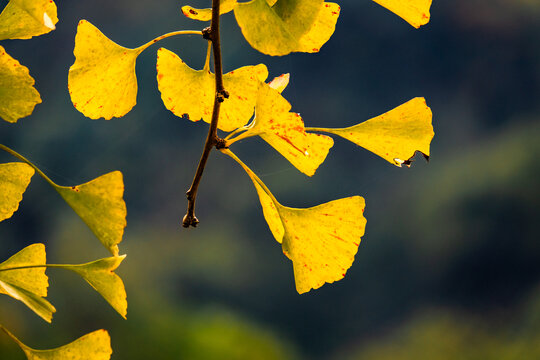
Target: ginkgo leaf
{"points": [[185, 91], [396, 135], [23, 277], [22, 19], [93, 346], [100, 275], [322, 29], [14, 179], [102, 81], [206, 14], [99, 203], [321, 241], [18, 97], [285, 132], [415, 12], [288, 25]]}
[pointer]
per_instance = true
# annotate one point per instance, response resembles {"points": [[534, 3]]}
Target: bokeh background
{"points": [[449, 267]]}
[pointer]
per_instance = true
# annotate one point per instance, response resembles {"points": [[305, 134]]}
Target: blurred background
{"points": [[449, 267]]}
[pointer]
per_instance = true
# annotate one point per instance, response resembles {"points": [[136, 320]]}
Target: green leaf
{"points": [[285, 131], [14, 179], [396, 135], [321, 241], [22, 19], [92, 346], [100, 205], [415, 12], [288, 25], [100, 275], [102, 81], [206, 14], [25, 283], [18, 97], [190, 92]]}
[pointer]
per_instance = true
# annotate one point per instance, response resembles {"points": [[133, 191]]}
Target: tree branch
{"points": [[211, 34]]}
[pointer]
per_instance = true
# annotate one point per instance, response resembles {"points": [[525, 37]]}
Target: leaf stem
{"points": [[246, 134], [32, 267], [208, 53], [317, 129], [164, 36], [22, 158], [212, 139], [251, 174]]}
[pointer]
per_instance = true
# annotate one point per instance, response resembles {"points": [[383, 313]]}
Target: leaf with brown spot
{"points": [[14, 179], [395, 135], [321, 241], [188, 91], [285, 131], [18, 96], [415, 12]]}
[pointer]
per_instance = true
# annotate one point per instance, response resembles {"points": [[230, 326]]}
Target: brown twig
{"points": [[212, 140]]}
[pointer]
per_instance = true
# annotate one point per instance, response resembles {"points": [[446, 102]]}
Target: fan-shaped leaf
{"points": [[396, 135], [285, 132], [322, 29], [18, 97], [287, 25], [102, 81], [191, 92], [23, 277], [415, 12], [22, 19], [100, 205], [206, 14], [93, 346], [100, 275], [14, 179], [321, 241]]}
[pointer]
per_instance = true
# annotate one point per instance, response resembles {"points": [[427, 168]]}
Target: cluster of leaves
{"points": [[321, 241], [99, 203]]}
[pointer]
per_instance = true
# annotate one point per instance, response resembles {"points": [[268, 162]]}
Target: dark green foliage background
{"points": [[451, 258]]}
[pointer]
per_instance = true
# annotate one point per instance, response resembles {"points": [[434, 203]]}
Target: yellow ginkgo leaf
{"points": [[102, 81], [185, 91], [321, 241], [285, 132], [14, 179], [99, 203], [23, 277], [322, 29], [396, 135], [22, 19], [415, 12], [100, 275], [288, 25], [18, 97], [206, 14], [93, 346]]}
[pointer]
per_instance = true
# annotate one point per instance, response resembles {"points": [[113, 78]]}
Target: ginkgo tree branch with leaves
{"points": [[243, 104], [321, 241]]}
